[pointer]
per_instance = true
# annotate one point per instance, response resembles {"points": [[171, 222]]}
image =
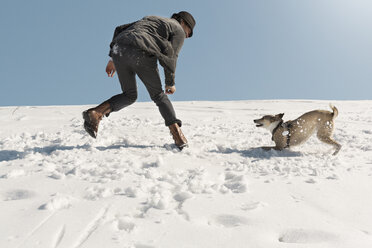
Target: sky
{"points": [[55, 52]]}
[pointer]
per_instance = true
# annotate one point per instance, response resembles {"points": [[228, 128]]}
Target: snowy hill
{"points": [[131, 187]]}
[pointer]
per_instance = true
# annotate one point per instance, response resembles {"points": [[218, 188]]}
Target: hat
{"points": [[187, 17]]}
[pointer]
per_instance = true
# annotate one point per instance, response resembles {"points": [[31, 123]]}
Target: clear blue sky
{"points": [[55, 52]]}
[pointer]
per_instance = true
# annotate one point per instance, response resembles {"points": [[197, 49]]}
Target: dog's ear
{"points": [[280, 115]]}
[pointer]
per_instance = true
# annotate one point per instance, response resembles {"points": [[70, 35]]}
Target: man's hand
{"points": [[169, 90], [110, 68]]}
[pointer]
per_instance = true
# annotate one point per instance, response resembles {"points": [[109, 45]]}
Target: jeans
{"points": [[129, 62]]}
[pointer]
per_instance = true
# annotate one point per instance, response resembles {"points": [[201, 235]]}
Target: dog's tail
{"points": [[335, 110]]}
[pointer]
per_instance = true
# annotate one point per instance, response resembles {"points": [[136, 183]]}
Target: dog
{"points": [[296, 132]]}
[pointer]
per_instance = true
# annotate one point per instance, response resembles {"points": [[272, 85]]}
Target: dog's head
{"points": [[268, 120]]}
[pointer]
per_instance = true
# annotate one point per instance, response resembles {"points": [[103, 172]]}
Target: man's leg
{"points": [[127, 78], [93, 116], [147, 71]]}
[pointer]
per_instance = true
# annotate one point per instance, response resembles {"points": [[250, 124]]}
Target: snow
{"points": [[285, 133], [132, 188]]}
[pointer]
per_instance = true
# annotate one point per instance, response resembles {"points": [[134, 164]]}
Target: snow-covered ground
{"points": [[132, 188]]}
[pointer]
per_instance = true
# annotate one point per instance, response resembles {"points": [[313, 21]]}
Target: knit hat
{"points": [[188, 19]]}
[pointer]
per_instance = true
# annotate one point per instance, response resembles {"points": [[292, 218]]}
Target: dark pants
{"points": [[130, 62]]}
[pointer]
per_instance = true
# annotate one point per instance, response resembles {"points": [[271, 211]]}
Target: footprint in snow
{"points": [[234, 183], [143, 246], [57, 202], [14, 174], [181, 197], [367, 131], [302, 236], [18, 194], [21, 118], [252, 206], [125, 223], [312, 181], [229, 221]]}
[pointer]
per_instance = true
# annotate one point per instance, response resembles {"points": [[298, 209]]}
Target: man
{"points": [[135, 50]]}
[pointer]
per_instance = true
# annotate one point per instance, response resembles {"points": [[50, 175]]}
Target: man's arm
{"points": [[176, 42]]}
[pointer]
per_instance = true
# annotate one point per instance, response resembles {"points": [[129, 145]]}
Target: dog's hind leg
{"points": [[329, 140], [324, 134]]}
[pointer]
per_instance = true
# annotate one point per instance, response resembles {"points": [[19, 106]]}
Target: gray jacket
{"points": [[159, 36]]}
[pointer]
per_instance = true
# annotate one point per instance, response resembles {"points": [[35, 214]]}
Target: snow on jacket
{"points": [[159, 36]]}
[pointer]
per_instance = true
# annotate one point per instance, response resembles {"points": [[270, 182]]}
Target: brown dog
{"points": [[291, 133]]}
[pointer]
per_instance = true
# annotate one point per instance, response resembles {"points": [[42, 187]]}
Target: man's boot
{"points": [[93, 116], [179, 138]]}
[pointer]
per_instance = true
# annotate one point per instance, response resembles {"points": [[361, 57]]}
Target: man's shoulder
{"points": [[154, 17], [161, 19]]}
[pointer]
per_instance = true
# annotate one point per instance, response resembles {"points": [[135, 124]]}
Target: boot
{"points": [[93, 116], [179, 138]]}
